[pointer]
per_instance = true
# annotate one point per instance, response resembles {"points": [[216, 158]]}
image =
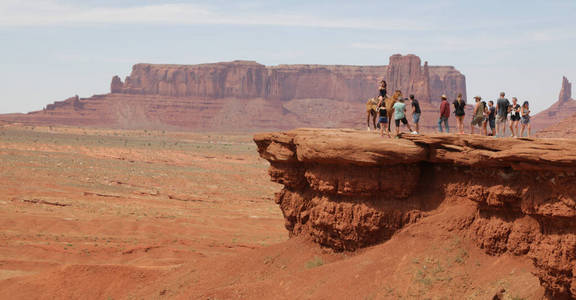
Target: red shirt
{"points": [[445, 109]]}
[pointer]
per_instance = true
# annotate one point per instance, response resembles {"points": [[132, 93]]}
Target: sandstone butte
{"points": [[559, 119], [346, 189], [245, 95]]}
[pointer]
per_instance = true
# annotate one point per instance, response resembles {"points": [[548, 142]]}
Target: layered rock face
{"points": [[346, 189], [557, 119], [565, 91], [244, 95], [245, 79]]}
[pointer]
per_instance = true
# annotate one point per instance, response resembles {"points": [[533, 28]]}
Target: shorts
{"points": [[525, 120], [492, 123], [477, 121], [383, 120], [503, 119], [404, 121], [514, 118], [416, 117]]}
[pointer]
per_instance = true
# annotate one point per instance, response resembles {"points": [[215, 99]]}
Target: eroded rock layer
{"points": [[348, 189], [246, 95], [247, 79]]}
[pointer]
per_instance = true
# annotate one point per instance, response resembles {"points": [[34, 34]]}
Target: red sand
{"points": [[94, 214]]}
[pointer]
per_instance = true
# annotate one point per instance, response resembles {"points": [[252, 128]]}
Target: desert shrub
{"points": [[316, 262]]}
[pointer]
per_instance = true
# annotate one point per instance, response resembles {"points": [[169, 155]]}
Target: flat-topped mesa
{"points": [[248, 96], [248, 79], [348, 189]]}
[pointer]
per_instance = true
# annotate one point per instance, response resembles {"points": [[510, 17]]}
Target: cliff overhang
{"points": [[347, 189]]}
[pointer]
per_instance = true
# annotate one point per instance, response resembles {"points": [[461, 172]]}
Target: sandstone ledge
{"points": [[346, 146], [348, 189]]}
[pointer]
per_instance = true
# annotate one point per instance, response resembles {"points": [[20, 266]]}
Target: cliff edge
{"points": [[346, 189]]}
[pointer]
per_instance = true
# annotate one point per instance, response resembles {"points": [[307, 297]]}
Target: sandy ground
{"points": [[129, 199], [102, 214]]}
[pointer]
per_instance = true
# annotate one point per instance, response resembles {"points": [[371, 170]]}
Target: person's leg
{"points": [[446, 125], [512, 128], [381, 128], [458, 124], [397, 127], [528, 129], [492, 127], [522, 131], [405, 121], [440, 124], [368, 120]]}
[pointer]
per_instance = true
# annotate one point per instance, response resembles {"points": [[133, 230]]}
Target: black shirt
{"points": [[382, 92], [516, 111], [492, 115], [382, 111], [459, 107], [416, 106]]}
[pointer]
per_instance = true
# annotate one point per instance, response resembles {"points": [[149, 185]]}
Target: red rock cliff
{"points": [[347, 189], [244, 95], [244, 79]]}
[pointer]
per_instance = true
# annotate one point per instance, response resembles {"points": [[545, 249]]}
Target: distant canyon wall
{"points": [[247, 96], [246, 79]]}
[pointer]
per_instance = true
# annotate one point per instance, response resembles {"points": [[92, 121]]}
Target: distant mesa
{"points": [[559, 119], [246, 95]]}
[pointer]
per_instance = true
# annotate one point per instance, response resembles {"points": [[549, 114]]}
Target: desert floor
{"points": [[109, 214]]}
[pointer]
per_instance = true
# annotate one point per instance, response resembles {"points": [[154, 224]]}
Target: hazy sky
{"points": [[54, 49]]}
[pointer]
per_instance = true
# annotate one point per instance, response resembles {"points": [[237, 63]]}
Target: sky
{"points": [[53, 49]]}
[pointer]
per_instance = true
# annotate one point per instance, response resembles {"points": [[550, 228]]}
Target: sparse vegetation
{"points": [[315, 262]]}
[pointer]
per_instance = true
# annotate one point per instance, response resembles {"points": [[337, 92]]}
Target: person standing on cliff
{"points": [[444, 114], [502, 108], [415, 113], [478, 115], [515, 117], [400, 116], [383, 118], [525, 118], [491, 117], [459, 112]]}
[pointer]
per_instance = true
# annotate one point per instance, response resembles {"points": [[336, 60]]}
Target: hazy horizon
{"points": [[54, 49]]}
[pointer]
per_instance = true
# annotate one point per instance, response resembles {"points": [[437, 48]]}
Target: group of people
{"points": [[484, 115]]}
